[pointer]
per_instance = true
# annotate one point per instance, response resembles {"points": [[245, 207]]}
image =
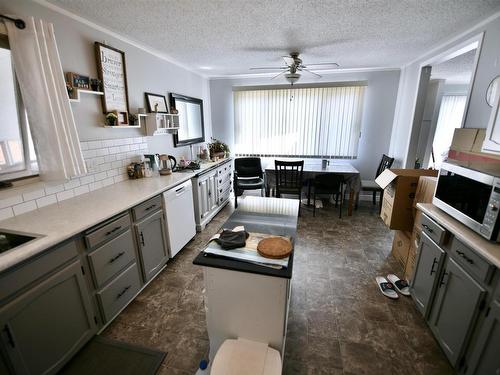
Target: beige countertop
{"points": [[58, 222], [487, 249]]}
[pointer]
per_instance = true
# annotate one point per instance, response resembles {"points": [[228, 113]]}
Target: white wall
{"points": [[145, 73], [378, 111], [478, 112]]}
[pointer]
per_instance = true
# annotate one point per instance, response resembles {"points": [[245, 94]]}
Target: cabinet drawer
{"points": [[224, 195], [433, 230], [107, 231], [223, 187], [471, 261], [224, 169], [223, 179], [146, 208], [112, 257], [119, 292], [21, 276]]}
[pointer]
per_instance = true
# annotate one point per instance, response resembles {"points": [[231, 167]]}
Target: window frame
{"points": [[27, 172]]}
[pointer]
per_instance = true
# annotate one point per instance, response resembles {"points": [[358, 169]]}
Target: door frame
{"points": [[449, 53]]}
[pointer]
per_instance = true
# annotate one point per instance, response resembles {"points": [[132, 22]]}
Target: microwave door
{"points": [[464, 198]]}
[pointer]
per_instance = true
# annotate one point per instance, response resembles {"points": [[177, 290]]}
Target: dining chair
{"points": [[289, 177], [247, 175], [331, 184], [370, 185]]}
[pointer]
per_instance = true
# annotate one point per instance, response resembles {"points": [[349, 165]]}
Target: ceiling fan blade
{"points": [[308, 71], [277, 75], [270, 68], [322, 64], [289, 61]]}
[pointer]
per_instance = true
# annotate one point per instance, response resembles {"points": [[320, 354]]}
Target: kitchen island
{"points": [[244, 299]]}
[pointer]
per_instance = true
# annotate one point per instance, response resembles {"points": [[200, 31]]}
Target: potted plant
{"points": [[111, 119], [218, 149], [132, 119]]}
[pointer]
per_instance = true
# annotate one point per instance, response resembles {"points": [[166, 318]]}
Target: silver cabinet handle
{"points": [[428, 228], [116, 256], [434, 262], [150, 207], [113, 230], [118, 296], [8, 332]]}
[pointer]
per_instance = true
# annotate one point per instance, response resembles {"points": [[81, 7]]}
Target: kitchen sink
{"points": [[11, 240]]}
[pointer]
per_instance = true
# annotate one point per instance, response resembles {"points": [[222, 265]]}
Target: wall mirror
{"points": [[191, 129]]}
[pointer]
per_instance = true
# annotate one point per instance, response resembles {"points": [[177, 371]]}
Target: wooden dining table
{"points": [[313, 167]]}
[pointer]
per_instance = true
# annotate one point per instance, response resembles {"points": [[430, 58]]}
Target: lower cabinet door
{"points": [[44, 327], [455, 310], [152, 246], [485, 358], [429, 263]]}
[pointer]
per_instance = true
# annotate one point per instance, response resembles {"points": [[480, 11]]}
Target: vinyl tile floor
{"points": [[339, 322]]}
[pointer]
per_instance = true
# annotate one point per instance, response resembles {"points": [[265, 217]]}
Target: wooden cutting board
{"points": [[274, 247]]}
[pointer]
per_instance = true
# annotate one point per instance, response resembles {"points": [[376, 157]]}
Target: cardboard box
{"points": [[401, 247], [424, 193], [399, 187], [414, 244], [466, 148]]}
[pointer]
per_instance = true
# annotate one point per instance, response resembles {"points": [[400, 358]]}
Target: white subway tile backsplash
{"points": [[106, 162], [33, 194], [45, 201], [94, 144], [11, 201], [6, 213], [53, 189], [24, 207], [63, 195], [87, 179], [81, 190], [71, 184]]}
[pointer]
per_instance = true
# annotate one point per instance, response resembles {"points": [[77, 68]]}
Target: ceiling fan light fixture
{"points": [[292, 77]]}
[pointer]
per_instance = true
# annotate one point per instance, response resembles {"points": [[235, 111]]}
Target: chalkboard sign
{"points": [[112, 72]]}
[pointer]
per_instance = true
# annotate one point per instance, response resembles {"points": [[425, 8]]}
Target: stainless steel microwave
{"points": [[470, 196]]}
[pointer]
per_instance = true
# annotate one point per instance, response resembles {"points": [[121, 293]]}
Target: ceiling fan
{"points": [[294, 66]]}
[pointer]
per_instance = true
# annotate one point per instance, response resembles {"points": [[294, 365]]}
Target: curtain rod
{"points": [[20, 24]]}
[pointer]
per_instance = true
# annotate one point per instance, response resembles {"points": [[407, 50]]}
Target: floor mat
{"points": [[106, 356]]}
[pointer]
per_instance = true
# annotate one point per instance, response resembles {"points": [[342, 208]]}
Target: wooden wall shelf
{"points": [[77, 92]]}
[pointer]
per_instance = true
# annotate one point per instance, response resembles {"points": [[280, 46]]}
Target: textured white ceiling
{"points": [[456, 70], [223, 37]]}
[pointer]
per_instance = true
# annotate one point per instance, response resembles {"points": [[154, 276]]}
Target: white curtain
{"points": [[43, 89], [307, 122], [450, 117]]}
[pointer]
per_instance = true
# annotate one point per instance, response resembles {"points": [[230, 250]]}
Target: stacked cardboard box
{"points": [[403, 189]]}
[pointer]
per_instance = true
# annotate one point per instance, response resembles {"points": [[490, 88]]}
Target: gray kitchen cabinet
{"points": [[428, 266], [455, 309], [207, 193], [152, 245], [44, 326], [484, 358]]}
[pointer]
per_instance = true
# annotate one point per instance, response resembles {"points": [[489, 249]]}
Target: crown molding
{"points": [[114, 34]]}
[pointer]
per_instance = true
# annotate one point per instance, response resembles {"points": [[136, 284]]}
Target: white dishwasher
{"points": [[179, 216]]}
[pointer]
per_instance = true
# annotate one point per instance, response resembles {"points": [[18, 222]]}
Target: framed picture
{"points": [[122, 118], [156, 103], [112, 72], [78, 80]]}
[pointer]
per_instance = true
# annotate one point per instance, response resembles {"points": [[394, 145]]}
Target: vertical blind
{"points": [[307, 122], [450, 117]]}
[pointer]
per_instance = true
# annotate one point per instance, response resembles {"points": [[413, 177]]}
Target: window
{"points": [[17, 154], [450, 117], [305, 122]]}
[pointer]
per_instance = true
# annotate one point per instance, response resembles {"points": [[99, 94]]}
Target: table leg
{"points": [[308, 192], [351, 202]]}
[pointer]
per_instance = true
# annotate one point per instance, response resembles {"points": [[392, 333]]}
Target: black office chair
{"points": [[289, 178], [248, 175], [370, 185], [331, 184]]}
